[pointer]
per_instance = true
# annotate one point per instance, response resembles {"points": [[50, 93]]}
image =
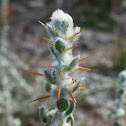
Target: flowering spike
{"points": [[81, 88], [69, 92], [61, 73], [52, 66], [83, 58], [40, 98], [58, 92], [36, 73], [42, 23], [77, 33], [71, 48], [62, 35], [48, 41], [83, 68]]}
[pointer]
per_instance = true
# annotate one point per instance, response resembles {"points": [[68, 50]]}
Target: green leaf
{"points": [[48, 87], [73, 63], [76, 86], [71, 107], [48, 76], [54, 53], [60, 46], [51, 31], [121, 91], [62, 104], [42, 114], [61, 26]]}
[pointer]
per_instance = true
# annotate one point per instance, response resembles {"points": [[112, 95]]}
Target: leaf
{"points": [[62, 104], [51, 31], [61, 26], [60, 46], [42, 114], [48, 87], [48, 76], [71, 107], [73, 63]]}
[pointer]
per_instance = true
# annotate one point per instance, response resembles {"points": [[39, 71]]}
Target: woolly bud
{"points": [[60, 45], [62, 104], [48, 76], [42, 114], [61, 16], [71, 107]]}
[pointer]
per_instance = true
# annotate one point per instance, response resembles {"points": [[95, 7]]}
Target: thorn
{"points": [[77, 33], [106, 122], [69, 92], [52, 66], [69, 122], [48, 41], [81, 88], [55, 31], [115, 118], [71, 48], [61, 73], [66, 78], [62, 123], [107, 107], [58, 92], [42, 23], [112, 83], [83, 58], [40, 98], [83, 68], [36, 73]]}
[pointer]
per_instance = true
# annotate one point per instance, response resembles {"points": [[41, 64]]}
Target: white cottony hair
{"points": [[60, 15]]}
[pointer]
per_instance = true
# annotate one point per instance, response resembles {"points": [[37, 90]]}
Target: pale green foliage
{"points": [[118, 111]]}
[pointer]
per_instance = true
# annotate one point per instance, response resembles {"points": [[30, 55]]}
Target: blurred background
{"points": [[22, 50]]}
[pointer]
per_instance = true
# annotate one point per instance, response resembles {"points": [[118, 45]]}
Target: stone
{"points": [[104, 37]]}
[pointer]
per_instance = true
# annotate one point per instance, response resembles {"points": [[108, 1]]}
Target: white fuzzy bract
{"points": [[60, 15]]}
